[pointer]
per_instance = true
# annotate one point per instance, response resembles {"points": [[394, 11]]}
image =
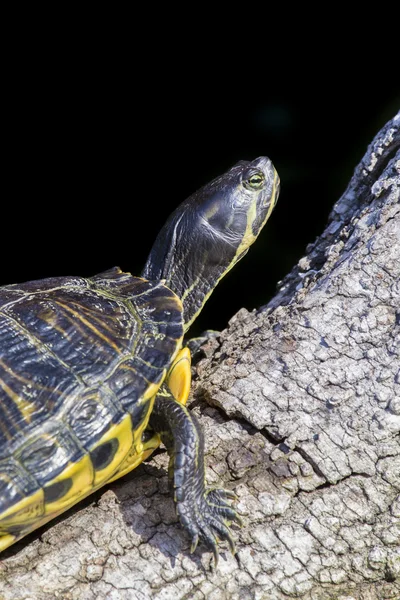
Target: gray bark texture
{"points": [[300, 403]]}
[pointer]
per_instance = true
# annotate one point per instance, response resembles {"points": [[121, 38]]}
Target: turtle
{"points": [[95, 372]]}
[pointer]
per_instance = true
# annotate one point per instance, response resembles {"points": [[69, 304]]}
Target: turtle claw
{"points": [[205, 513], [195, 541], [238, 520], [208, 520], [220, 496], [227, 494], [220, 508], [232, 546], [216, 557]]}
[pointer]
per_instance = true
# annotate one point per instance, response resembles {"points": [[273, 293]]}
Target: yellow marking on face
{"points": [[179, 376], [90, 326], [25, 407], [249, 238]]}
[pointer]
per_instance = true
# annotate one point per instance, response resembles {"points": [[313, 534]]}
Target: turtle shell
{"points": [[80, 363]]}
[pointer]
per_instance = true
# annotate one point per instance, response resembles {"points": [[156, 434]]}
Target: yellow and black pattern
{"points": [[80, 363], [83, 364]]}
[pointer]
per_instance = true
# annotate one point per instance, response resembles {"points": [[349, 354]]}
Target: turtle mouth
{"points": [[274, 187], [277, 188]]}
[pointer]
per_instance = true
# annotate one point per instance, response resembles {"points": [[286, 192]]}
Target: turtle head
{"points": [[211, 231]]}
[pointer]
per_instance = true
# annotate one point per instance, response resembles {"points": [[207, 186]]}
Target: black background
{"points": [[99, 152]]}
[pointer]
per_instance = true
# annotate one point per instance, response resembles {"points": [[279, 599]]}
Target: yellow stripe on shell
{"points": [[179, 380], [90, 326], [28, 510], [32, 510], [81, 474], [25, 407], [6, 541], [135, 454]]}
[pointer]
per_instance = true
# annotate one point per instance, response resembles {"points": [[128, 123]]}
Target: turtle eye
{"points": [[254, 180]]}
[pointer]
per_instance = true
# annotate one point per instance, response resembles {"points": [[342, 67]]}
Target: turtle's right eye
{"points": [[254, 180]]}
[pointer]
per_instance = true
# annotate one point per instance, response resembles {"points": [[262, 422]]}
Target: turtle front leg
{"points": [[204, 512]]}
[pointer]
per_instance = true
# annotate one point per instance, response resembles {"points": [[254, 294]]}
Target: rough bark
{"points": [[300, 402]]}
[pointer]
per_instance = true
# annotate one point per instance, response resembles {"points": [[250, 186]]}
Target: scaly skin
{"points": [[203, 512]]}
